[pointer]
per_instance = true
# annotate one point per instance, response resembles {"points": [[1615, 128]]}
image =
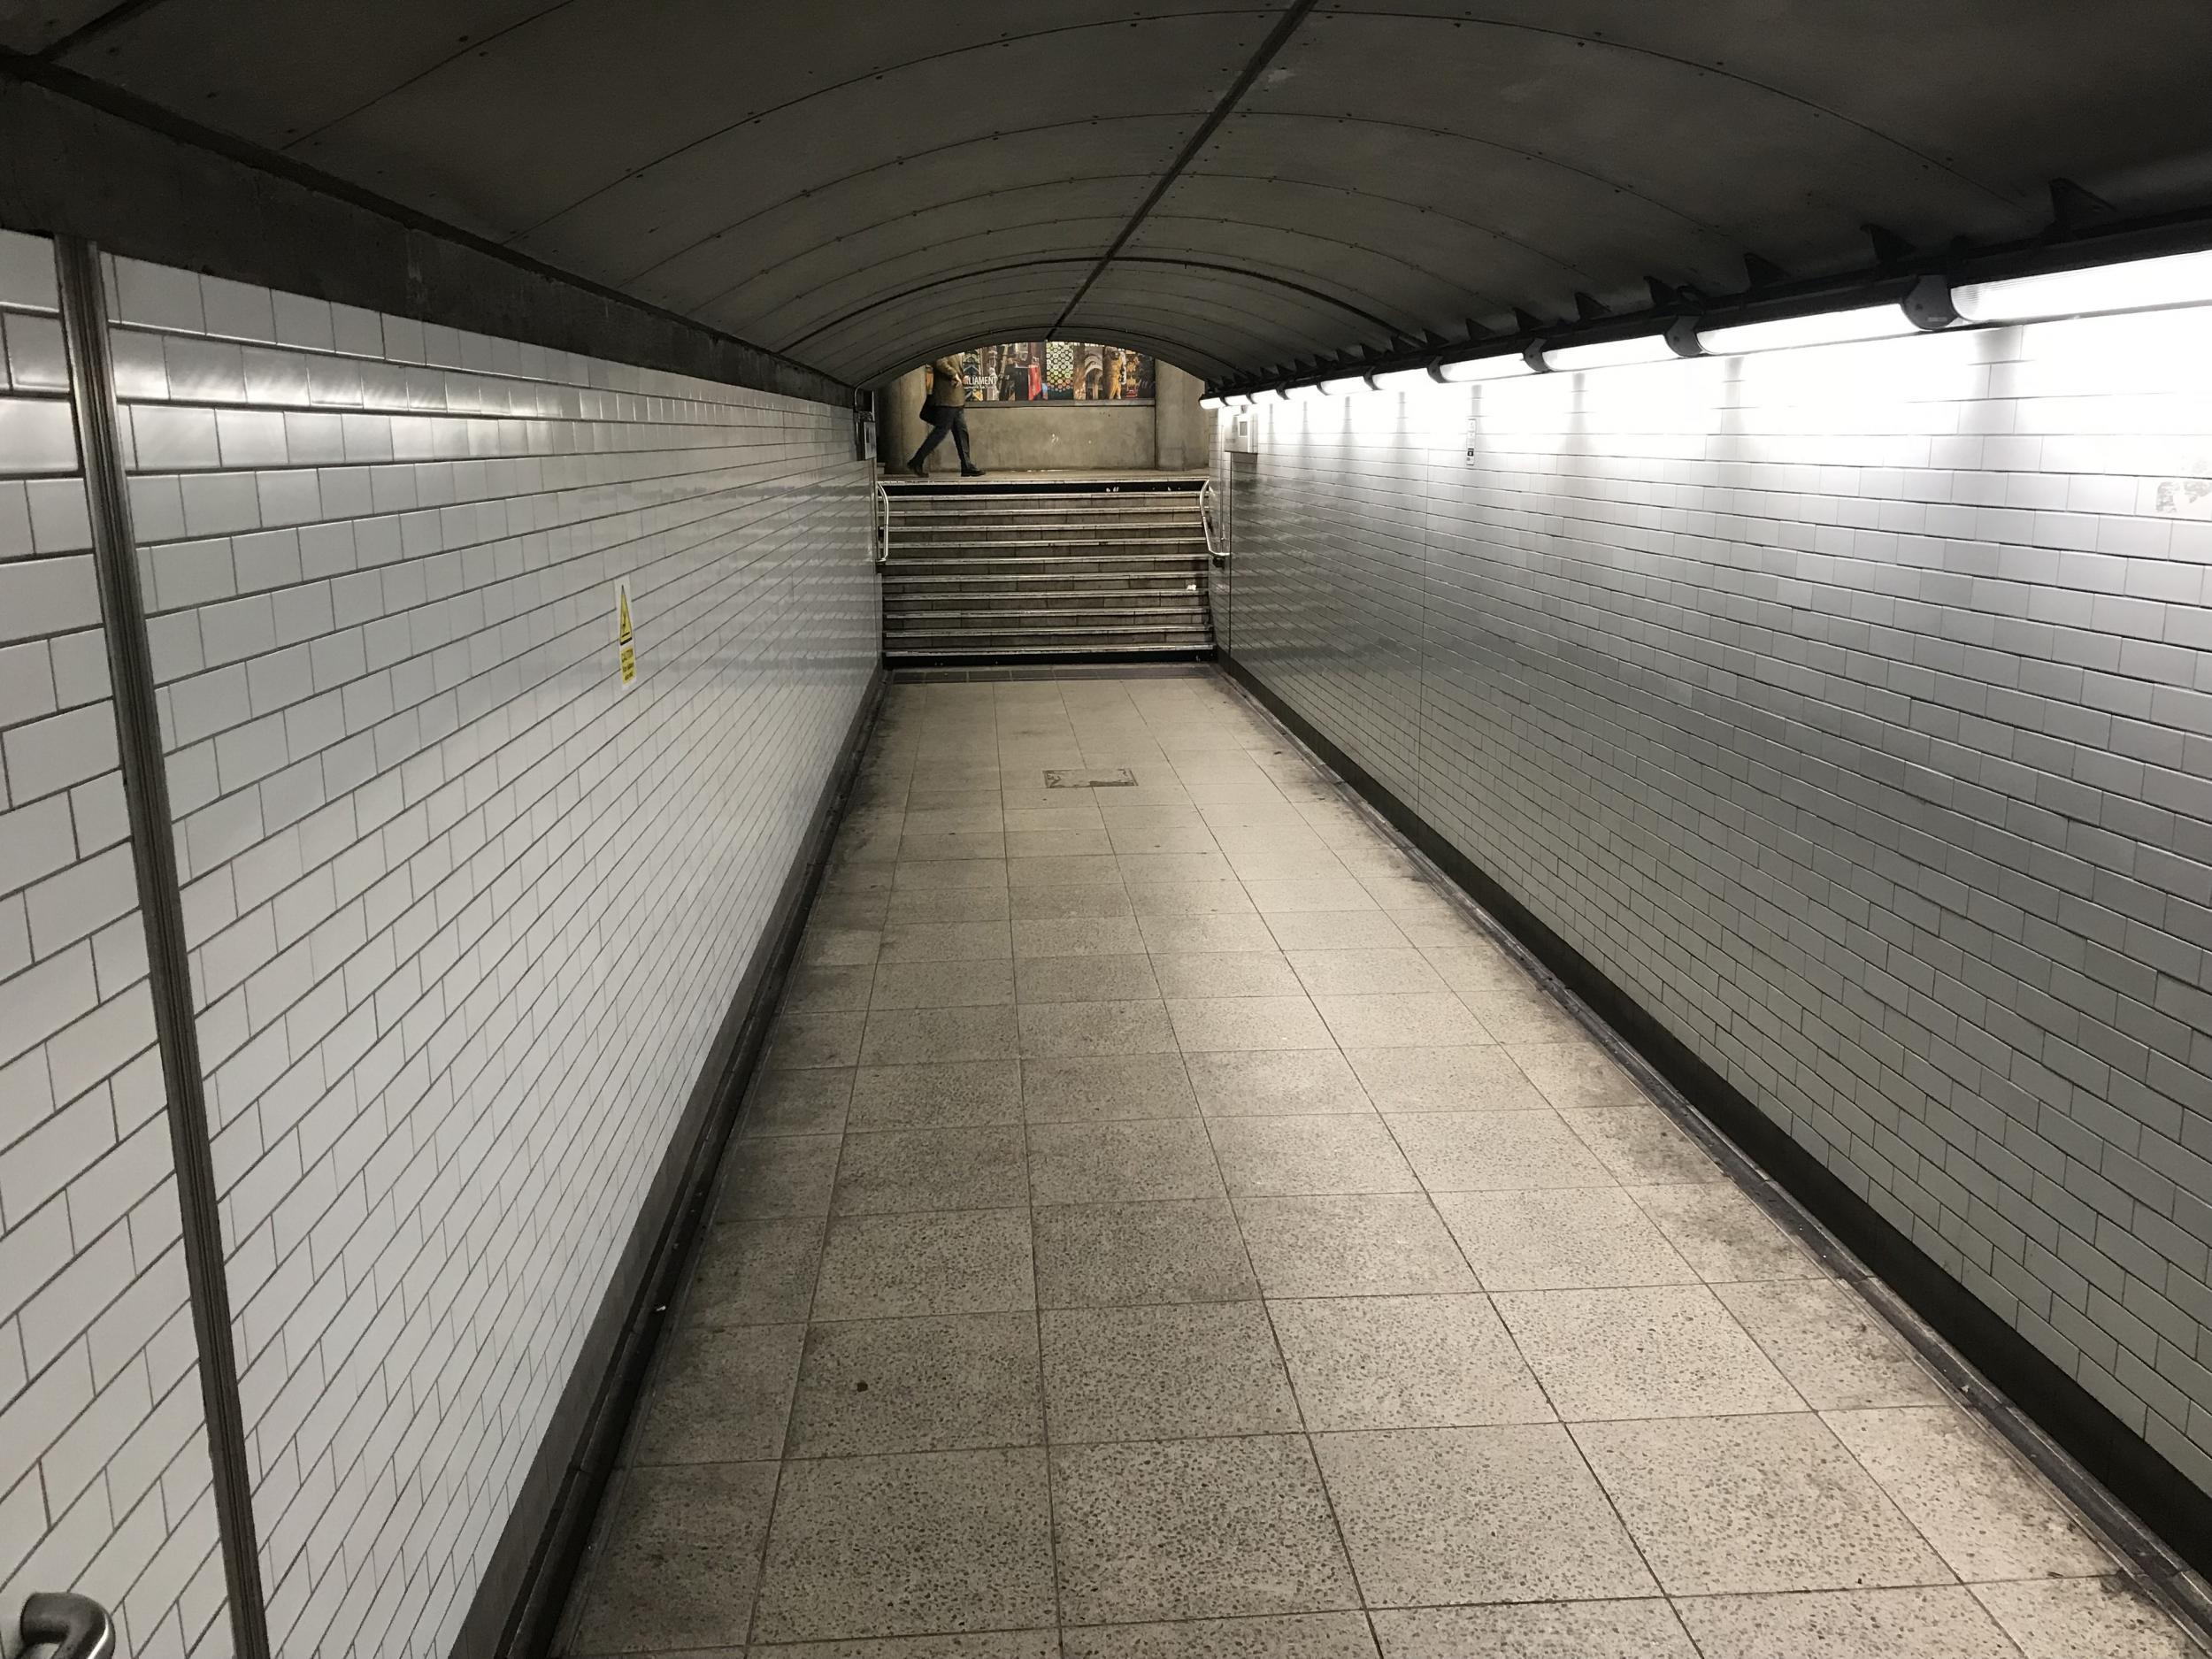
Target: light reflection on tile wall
{"points": [[464, 910], [1850, 708], [106, 1486]]}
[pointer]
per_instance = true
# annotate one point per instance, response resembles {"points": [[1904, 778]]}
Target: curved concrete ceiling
{"points": [[1233, 186]]}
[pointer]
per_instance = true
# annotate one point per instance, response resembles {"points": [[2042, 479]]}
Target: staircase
{"points": [[1001, 568]]}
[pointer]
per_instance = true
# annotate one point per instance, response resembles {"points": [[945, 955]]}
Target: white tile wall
{"points": [[104, 1481], [1851, 709], [464, 910]]}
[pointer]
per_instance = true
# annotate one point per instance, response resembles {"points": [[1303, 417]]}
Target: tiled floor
{"points": [[1167, 1226]]}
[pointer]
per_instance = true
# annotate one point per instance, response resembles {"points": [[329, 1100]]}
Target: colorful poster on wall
{"points": [[1056, 371]]}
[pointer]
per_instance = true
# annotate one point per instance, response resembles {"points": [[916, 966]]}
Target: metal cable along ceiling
{"points": [[1249, 190]]}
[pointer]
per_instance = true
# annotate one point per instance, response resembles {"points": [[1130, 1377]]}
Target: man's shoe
{"points": [[972, 471], [917, 469]]}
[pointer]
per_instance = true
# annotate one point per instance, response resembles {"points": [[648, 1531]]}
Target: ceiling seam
{"points": [[113, 18], [1028, 264], [689, 145], [298, 140], [1277, 39]]}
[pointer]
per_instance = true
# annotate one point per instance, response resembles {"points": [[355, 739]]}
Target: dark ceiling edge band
{"points": [[2159, 1518], [101, 199], [161, 906], [1277, 39]]}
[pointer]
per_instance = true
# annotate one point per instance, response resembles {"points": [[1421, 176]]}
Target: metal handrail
{"points": [[883, 524], [76, 1626], [1209, 519]]}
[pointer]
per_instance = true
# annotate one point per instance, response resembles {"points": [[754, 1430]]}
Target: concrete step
{"points": [[979, 574]]}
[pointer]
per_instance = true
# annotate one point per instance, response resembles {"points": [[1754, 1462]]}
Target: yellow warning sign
{"points": [[622, 632]]}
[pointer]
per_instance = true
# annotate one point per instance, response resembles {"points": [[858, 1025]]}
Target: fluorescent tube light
{"points": [[1343, 385], [1210, 402], [1301, 394], [1821, 328], [1612, 354], [1473, 369], [2136, 285], [1403, 379], [1241, 399]]}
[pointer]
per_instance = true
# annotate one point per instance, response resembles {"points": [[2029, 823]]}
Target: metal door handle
{"points": [[76, 1626]]}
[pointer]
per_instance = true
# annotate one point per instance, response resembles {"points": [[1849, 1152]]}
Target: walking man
{"points": [[942, 409]]}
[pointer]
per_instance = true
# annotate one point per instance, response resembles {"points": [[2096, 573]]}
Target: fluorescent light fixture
{"points": [[1403, 379], [1343, 385], [1821, 328], [1210, 402], [1611, 354], [1475, 369], [1301, 394], [2138, 284], [1239, 400]]}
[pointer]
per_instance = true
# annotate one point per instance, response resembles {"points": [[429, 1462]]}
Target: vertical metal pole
{"points": [[161, 902]]}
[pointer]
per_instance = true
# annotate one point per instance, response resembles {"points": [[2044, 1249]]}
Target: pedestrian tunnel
{"points": [[1500, 948]]}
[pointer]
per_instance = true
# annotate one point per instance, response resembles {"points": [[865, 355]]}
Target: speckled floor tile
{"points": [[1100, 1162], [1100, 1087], [1275, 1082], [1086, 979], [1562, 1239], [925, 1036], [945, 904], [883, 1267], [1070, 1030], [1400, 971], [1421, 1019], [1205, 1024], [681, 1558], [1745, 1504], [754, 1272], [1291, 1636], [1831, 1346], [1122, 1254], [1504, 1514], [1369, 1244], [1660, 1351], [946, 941], [1494, 1151], [1913, 1624], [1205, 935], [1077, 936], [780, 1175], [986, 984], [814, 1040], [1404, 1361], [1641, 1144], [719, 1394], [1723, 1234], [1213, 973], [929, 1096], [1574, 1074], [1423, 1079], [812, 1102], [907, 1545], [878, 1385], [1537, 1630], [2083, 1618], [1343, 1153], [972, 1166], [1195, 1529], [1163, 1372], [821, 988], [1985, 1515]]}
